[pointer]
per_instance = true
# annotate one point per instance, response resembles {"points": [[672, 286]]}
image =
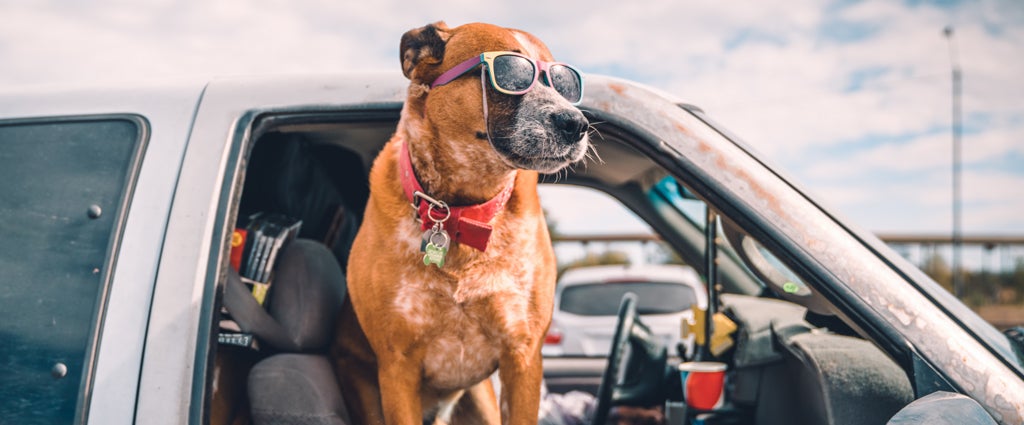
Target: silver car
{"points": [[587, 301], [119, 208]]}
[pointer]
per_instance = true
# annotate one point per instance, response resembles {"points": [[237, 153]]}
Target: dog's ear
{"points": [[422, 49]]}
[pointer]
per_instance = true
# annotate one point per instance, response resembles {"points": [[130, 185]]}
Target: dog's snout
{"points": [[571, 123]]}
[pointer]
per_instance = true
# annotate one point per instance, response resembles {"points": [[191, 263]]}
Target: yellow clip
{"points": [[720, 337], [695, 326]]}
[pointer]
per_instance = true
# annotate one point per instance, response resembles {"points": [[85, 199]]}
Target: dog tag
{"points": [[437, 246], [434, 255], [432, 233]]}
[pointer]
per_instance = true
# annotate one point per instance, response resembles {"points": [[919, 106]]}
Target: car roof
{"points": [[671, 273]]}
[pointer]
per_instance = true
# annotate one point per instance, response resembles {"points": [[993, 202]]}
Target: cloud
{"points": [[59, 42], [787, 99], [852, 97], [578, 210], [921, 153]]}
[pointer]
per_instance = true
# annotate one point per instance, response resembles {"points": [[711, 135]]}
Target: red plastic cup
{"points": [[703, 384]]}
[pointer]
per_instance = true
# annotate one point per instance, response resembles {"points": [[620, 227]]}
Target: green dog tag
{"points": [[434, 255]]}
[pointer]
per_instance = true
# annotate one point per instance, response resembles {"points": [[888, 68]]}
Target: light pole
{"points": [[956, 129]]}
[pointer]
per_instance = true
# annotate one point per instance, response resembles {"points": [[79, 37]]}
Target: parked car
{"points": [[119, 206], [587, 304]]}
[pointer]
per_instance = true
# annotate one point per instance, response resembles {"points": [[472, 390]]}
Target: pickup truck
{"points": [[119, 205]]}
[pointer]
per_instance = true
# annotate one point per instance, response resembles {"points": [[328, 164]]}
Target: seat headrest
{"points": [[305, 296]]}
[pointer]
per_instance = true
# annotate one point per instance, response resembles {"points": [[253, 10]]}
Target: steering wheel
{"points": [[627, 316]]}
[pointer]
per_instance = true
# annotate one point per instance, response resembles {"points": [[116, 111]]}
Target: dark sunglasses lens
{"points": [[566, 81], [513, 73]]}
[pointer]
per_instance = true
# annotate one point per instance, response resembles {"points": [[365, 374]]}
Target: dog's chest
{"points": [[463, 325], [460, 357], [464, 329]]}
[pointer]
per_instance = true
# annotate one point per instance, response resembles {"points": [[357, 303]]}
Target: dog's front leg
{"points": [[521, 374], [399, 378], [477, 406]]}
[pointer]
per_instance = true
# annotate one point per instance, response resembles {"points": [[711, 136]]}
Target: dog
{"points": [[461, 285]]}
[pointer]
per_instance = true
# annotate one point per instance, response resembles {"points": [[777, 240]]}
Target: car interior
{"points": [[790, 360]]}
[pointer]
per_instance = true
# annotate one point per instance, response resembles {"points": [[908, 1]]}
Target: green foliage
{"points": [[936, 267], [669, 255], [591, 259], [551, 223], [980, 287]]}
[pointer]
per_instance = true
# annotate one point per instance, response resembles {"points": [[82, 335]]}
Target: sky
{"points": [[851, 98]]}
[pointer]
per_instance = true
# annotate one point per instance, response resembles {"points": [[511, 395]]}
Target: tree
{"points": [[936, 267], [592, 259]]}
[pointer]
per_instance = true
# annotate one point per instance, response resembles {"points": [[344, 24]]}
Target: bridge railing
{"points": [[992, 274]]}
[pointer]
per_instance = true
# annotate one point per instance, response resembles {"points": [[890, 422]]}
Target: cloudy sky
{"points": [[852, 98]]}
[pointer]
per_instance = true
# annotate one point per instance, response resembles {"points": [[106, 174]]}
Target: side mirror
{"points": [[942, 408]]}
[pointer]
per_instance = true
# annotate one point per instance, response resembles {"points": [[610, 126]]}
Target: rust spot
{"points": [[703, 147], [812, 243], [619, 89], [762, 193]]}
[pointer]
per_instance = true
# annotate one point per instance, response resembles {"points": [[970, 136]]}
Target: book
{"points": [[254, 253], [265, 236]]}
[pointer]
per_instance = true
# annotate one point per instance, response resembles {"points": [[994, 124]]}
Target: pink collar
{"points": [[466, 224]]}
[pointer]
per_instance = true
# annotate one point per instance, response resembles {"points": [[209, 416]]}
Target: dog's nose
{"points": [[571, 123]]}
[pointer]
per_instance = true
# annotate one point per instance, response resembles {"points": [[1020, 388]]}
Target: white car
{"points": [[587, 302]]}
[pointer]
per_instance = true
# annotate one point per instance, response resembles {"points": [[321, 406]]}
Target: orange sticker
{"points": [[236, 239]]}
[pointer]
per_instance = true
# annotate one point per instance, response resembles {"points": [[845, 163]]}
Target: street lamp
{"points": [[956, 129]]}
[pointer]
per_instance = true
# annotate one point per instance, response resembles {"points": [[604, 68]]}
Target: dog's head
{"points": [[537, 130]]}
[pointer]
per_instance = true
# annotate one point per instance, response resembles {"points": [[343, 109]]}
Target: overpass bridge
{"points": [[992, 253]]}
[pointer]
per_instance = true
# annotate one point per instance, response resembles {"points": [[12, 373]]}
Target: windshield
{"points": [[602, 299], [678, 196]]}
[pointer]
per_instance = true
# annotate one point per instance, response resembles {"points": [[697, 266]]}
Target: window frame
{"points": [[114, 239]]}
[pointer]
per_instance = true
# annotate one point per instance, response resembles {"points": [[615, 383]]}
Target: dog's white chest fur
{"points": [[459, 353], [461, 357], [461, 349]]}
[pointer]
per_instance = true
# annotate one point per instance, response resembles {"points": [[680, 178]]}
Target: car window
{"points": [[575, 210], [60, 205], [590, 227], [602, 299], [685, 201]]}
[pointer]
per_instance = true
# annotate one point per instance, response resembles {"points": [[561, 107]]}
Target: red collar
{"points": [[466, 224]]}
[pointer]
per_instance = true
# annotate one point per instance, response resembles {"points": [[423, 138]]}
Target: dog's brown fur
{"points": [[418, 342]]}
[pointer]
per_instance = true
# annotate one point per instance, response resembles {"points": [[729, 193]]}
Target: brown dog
{"points": [[443, 294]]}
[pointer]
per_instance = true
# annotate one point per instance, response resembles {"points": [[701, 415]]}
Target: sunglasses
{"points": [[515, 74]]}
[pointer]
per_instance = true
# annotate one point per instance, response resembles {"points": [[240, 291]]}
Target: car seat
{"points": [[844, 380], [790, 372], [322, 185], [296, 383]]}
